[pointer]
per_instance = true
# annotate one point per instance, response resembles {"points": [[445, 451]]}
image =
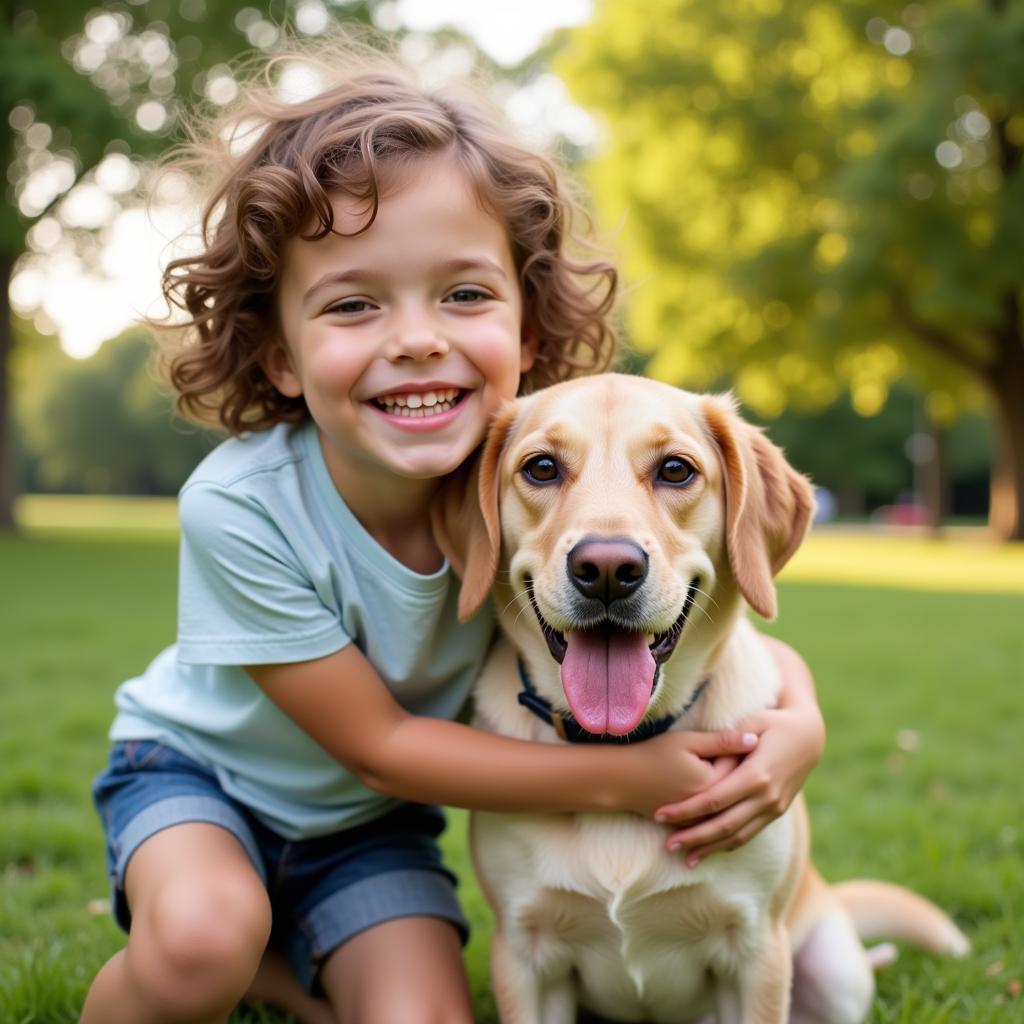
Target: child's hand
{"points": [[680, 762], [740, 802]]}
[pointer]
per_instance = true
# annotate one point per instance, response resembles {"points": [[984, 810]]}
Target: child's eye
{"points": [[464, 295], [350, 307]]}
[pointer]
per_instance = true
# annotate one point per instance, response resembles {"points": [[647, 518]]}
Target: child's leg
{"points": [[200, 923], [409, 970], [369, 917]]}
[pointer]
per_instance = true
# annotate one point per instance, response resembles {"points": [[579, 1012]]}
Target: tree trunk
{"points": [[1007, 494], [8, 486], [934, 476]]}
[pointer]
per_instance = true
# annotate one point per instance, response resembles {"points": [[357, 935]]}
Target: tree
{"points": [[33, 73], [821, 195]]}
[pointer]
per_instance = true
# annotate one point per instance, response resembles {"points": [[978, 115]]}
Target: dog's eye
{"points": [[676, 471], [541, 469]]}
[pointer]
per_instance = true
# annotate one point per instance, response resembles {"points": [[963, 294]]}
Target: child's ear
{"points": [[276, 363], [529, 343]]}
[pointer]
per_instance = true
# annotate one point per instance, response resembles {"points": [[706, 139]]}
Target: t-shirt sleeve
{"points": [[244, 597]]}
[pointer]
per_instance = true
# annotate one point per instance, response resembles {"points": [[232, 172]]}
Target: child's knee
{"points": [[213, 925], [196, 947]]}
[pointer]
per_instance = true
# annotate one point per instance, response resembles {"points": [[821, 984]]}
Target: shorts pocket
{"points": [[141, 754]]}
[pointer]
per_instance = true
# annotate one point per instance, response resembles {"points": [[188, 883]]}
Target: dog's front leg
{"points": [[764, 985], [522, 996]]}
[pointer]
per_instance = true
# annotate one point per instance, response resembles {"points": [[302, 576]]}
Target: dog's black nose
{"points": [[607, 568]]}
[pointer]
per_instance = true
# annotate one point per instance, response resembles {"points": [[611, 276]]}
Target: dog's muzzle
{"points": [[609, 671]]}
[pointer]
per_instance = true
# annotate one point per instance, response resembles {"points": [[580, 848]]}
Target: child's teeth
{"points": [[427, 403]]}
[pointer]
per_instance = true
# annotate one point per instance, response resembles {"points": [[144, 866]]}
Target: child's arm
{"points": [[341, 701], [732, 810]]}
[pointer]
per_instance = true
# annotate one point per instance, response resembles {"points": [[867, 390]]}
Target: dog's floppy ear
{"points": [[465, 516], [768, 504]]}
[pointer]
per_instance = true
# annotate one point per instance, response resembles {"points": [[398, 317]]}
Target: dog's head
{"points": [[619, 519]]}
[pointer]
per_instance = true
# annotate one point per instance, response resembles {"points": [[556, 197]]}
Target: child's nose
{"points": [[417, 337]]}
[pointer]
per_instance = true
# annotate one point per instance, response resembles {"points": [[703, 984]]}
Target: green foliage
{"points": [[103, 424], [786, 218], [919, 785], [36, 73]]}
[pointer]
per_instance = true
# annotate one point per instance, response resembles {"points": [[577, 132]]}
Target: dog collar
{"points": [[571, 731]]}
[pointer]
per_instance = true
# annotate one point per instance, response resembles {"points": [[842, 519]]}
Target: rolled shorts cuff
{"points": [[406, 892], [182, 810]]}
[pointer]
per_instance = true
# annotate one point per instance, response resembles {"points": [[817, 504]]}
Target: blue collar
{"points": [[570, 730]]}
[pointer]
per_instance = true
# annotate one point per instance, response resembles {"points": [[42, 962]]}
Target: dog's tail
{"points": [[882, 910]]}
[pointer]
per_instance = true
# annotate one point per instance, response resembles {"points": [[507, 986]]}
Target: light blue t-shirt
{"points": [[275, 568]]}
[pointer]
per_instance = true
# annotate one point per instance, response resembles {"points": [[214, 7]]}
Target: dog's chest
{"points": [[642, 933]]}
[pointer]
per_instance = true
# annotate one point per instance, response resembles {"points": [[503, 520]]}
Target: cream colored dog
{"points": [[636, 523]]}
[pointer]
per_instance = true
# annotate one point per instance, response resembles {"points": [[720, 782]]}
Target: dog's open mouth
{"points": [[609, 671]]}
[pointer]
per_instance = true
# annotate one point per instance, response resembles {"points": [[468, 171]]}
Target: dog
{"points": [[623, 527]]}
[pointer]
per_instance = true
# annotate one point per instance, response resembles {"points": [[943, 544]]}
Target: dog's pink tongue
{"points": [[608, 676]]}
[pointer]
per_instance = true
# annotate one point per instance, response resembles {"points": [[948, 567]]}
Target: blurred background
{"points": [[817, 204]]}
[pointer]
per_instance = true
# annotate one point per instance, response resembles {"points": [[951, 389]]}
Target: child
{"points": [[382, 267]]}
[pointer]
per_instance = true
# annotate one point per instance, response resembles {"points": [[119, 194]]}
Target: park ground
{"points": [[917, 647]]}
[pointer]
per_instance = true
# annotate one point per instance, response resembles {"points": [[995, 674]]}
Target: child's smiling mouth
{"points": [[419, 403], [426, 408]]}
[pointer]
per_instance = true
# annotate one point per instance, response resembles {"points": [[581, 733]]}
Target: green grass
{"points": [[921, 782]]}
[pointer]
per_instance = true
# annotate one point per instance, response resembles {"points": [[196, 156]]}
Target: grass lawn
{"points": [[922, 689]]}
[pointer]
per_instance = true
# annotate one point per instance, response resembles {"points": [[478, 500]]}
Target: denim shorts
{"points": [[323, 891]]}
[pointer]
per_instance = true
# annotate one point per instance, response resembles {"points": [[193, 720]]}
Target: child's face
{"points": [[405, 339]]}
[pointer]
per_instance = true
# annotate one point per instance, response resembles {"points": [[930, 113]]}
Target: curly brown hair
{"points": [[272, 167]]}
